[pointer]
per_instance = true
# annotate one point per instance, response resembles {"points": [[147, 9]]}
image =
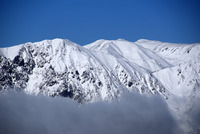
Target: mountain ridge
{"points": [[129, 63], [104, 69]]}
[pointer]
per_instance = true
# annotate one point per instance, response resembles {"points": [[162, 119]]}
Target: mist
{"points": [[21, 113]]}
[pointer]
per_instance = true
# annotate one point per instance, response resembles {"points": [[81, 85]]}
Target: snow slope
{"points": [[103, 69]]}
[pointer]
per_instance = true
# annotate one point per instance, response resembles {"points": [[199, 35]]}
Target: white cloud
{"points": [[21, 113]]}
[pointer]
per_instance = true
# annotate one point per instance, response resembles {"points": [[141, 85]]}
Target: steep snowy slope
{"points": [[131, 52], [183, 71], [172, 53], [181, 80]]}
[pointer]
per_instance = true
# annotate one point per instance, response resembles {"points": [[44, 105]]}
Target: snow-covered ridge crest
{"points": [[100, 70]]}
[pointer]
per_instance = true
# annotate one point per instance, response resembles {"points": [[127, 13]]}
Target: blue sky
{"points": [[84, 21]]}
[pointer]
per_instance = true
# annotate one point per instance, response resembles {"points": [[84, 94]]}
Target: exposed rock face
{"points": [[15, 73]]}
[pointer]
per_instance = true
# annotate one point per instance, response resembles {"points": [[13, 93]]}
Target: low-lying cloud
{"points": [[132, 114]]}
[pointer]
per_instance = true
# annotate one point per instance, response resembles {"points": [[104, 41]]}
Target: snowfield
{"points": [[104, 69]]}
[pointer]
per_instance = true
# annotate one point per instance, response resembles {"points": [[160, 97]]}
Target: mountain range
{"points": [[104, 69]]}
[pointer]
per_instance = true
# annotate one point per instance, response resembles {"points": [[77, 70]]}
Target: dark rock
{"points": [[130, 83], [67, 93]]}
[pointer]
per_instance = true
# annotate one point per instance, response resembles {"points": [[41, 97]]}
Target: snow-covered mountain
{"points": [[103, 69], [97, 71]]}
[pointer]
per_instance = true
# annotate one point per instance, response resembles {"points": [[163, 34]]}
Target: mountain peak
{"points": [[56, 41], [145, 41]]}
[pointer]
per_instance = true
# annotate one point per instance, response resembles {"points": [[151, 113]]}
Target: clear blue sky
{"points": [[84, 21]]}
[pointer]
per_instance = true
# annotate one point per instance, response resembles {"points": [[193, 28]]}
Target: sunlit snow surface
{"points": [[101, 72]]}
